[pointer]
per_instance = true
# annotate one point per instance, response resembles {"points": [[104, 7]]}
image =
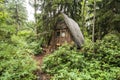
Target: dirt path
{"points": [[39, 58], [40, 74]]}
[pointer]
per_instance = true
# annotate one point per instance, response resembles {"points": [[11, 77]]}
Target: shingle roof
{"points": [[74, 29]]}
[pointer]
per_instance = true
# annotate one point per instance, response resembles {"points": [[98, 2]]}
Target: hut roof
{"points": [[74, 30]]}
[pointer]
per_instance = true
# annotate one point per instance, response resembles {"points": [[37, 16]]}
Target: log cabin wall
{"points": [[61, 34]]}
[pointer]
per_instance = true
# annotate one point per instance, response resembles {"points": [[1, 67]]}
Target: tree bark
{"points": [[35, 14], [93, 30], [83, 16], [17, 17]]}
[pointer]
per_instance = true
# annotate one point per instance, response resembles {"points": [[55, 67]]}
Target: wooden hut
{"points": [[66, 30]]}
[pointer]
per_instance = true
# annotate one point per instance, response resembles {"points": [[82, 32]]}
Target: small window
{"points": [[57, 34]]}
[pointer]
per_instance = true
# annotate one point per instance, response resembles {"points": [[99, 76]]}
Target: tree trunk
{"points": [[35, 14], [17, 18], [83, 16], [93, 30]]}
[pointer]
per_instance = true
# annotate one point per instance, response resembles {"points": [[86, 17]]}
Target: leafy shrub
{"points": [[63, 58], [15, 61], [64, 74], [106, 50], [25, 39], [109, 52], [106, 58], [112, 36], [97, 71], [67, 64], [34, 44], [15, 64], [6, 31], [38, 49], [26, 33]]}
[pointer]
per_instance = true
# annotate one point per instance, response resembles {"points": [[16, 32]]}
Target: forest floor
{"points": [[41, 75]]}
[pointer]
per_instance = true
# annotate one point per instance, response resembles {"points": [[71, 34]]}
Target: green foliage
{"points": [[112, 36], [15, 64], [17, 11], [63, 58], [64, 74], [6, 31], [67, 64], [110, 50], [19, 40], [38, 49], [25, 33], [107, 17], [16, 60], [26, 39]]}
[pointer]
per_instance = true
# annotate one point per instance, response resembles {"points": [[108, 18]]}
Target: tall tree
{"points": [[36, 5], [93, 30], [6, 29], [17, 10], [83, 16], [107, 17]]}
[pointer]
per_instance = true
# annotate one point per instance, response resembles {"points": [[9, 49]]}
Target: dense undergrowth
{"points": [[16, 63], [100, 63], [16, 55]]}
